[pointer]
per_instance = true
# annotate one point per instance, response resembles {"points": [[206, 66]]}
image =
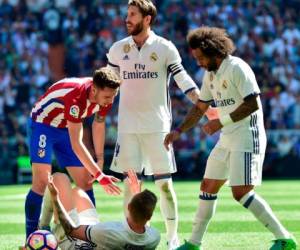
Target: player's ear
{"points": [[147, 19]]}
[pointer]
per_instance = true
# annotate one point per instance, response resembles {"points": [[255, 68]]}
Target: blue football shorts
{"points": [[44, 139]]}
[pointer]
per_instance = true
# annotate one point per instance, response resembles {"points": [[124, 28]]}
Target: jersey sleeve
{"points": [[205, 94], [245, 81], [183, 80], [95, 234], [103, 111], [73, 109], [112, 57]]}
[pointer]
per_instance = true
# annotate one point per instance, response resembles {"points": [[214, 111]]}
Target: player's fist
{"points": [[212, 113], [171, 137], [212, 126]]}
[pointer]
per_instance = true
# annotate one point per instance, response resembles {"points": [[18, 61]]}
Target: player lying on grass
{"points": [[77, 223]]}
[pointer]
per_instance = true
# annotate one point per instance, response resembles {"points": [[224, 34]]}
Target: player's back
{"points": [[119, 236]]}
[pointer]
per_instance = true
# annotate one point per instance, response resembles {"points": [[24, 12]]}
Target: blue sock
{"points": [[33, 206], [90, 193]]}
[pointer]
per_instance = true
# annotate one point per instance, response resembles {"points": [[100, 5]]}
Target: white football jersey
{"points": [[118, 236], [227, 88], [144, 105]]}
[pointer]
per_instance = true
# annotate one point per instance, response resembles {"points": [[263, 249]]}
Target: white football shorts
{"points": [[143, 152], [239, 168]]}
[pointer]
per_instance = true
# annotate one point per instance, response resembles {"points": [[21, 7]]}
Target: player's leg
{"points": [[161, 164], [215, 176], [127, 156], [242, 182], [68, 159], [40, 144]]}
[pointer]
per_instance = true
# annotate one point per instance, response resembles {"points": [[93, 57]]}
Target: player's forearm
{"points": [[67, 223], [98, 128], [85, 158], [65, 220], [193, 95], [249, 106], [192, 118]]}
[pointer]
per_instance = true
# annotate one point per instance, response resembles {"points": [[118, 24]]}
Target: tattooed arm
{"points": [[249, 106], [65, 220], [191, 119], [98, 128]]}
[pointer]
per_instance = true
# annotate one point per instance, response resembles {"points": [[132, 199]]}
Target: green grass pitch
{"points": [[232, 228]]}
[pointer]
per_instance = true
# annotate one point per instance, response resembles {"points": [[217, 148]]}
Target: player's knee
{"points": [[60, 179], [165, 187], [238, 192]]}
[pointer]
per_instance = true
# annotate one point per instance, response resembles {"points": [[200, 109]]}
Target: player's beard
{"points": [[212, 66], [137, 29]]}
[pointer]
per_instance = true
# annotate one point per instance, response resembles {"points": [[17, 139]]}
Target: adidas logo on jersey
{"points": [[126, 57]]}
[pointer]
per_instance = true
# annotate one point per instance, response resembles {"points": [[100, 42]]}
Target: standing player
{"points": [[239, 153], [145, 62], [78, 219], [56, 126]]}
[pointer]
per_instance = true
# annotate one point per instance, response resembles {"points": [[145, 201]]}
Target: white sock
{"points": [[263, 212], [168, 207], [47, 210], [206, 210]]}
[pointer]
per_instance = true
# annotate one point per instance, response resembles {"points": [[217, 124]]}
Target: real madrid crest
{"points": [[211, 76], [225, 84], [126, 48], [153, 57]]}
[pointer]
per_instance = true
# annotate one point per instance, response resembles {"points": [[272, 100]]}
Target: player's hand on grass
{"points": [[212, 126], [171, 137], [133, 182], [108, 183]]}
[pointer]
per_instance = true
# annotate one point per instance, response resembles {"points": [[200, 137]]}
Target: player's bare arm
{"points": [[98, 128], [249, 106], [194, 95], [106, 181], [190, 121], [67, 223]]}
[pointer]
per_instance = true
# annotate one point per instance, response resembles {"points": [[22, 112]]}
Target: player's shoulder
{"points": [[161, 41], [237, 62], [120, 43]]}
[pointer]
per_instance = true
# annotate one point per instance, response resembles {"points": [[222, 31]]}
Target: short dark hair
{"points": [[106, 77], [212, 41], [142, 205], [146, 7]]}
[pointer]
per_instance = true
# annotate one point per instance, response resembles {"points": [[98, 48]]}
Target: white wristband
{"points": [[225, 120], [100, 177]]}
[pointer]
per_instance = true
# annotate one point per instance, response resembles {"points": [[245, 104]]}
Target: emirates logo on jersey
{"points": [[74, 111]]}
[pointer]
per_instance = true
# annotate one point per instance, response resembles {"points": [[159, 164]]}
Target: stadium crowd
{"points": [[266, 34]]}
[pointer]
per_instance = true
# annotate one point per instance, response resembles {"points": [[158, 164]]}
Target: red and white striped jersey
{"points": [[66, 100]]}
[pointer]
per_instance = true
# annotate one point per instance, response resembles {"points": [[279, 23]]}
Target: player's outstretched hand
{"points": [[170, 138], [212, 126], [134, 183], [108, 184]]}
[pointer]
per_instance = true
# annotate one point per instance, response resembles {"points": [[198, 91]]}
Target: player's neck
{"points": [[142, 37], [136, 227]]}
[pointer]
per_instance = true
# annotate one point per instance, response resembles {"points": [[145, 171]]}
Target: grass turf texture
{"points": [[233, 227]]}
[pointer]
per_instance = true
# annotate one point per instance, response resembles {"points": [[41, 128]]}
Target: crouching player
{"points": [[78, 226]]}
